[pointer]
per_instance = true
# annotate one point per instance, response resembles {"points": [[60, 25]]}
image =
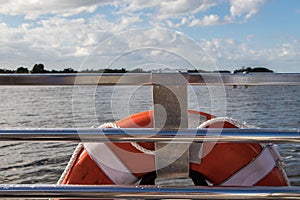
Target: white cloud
{"points": [[143, 46], [238, 8], [170, 8], [207, 20], [166, 11], [155, 11], [229, 54], [190, 9], [137, 5], [183, 21], [125, 22], [61, 33], [177, 8], [246, 8], [54, 40], [289, 50], [33, 9], [60, 42], [58, 39]]}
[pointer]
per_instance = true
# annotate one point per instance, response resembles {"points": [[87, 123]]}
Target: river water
{"points": [[67, 107]]}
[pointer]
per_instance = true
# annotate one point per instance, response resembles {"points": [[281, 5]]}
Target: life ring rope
{"points": [[203, 125], [223, 119], [71, 162], [142, 149], [77, 151], [268, 159], [134, 144]]}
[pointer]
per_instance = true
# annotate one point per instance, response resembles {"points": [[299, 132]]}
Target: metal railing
{"points": [[146, 192], [146, 79], [152, 135], [149, 135], [149, 192]]}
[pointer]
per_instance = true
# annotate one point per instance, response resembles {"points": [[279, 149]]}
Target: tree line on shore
{"points": [[40, 69], [36, 69]]}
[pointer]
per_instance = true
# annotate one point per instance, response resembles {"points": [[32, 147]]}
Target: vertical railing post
{"points": [[170, 113]]}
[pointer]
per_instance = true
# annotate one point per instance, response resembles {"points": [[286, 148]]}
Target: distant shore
{"points": [[40, 69]]}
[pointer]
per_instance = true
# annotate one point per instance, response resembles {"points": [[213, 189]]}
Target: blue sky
{"points": [[204, 34]]}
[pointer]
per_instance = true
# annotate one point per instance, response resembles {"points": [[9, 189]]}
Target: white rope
{"points": [[76, 153], [142, 149], [134, 144], [223, 119], [239, 124], [109, 125], [70, 163], [203, 125]]}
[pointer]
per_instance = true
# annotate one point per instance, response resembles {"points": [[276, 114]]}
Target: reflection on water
{"points": [[24, 107]]}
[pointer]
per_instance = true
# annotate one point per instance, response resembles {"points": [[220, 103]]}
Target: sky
{"points": [[176, 34]]}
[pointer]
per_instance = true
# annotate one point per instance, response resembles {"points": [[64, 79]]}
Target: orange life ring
{"points": [[219, 166]]}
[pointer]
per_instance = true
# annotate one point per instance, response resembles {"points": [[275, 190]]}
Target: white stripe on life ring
{"points": [[261, 166], [105, 158]]}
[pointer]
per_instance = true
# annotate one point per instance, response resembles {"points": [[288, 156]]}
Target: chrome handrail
{"points": [[149, 135], [252, 135], [146, 79], [146, 192]]}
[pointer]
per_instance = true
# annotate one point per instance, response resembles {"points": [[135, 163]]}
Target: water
{"points": [[52, 107]]}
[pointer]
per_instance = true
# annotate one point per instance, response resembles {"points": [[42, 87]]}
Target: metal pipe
{"points": [[151, 135], [146, 192], [145, 79]]}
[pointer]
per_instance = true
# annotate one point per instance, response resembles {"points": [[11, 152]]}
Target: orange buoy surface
{"points": [[222, 164]]}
